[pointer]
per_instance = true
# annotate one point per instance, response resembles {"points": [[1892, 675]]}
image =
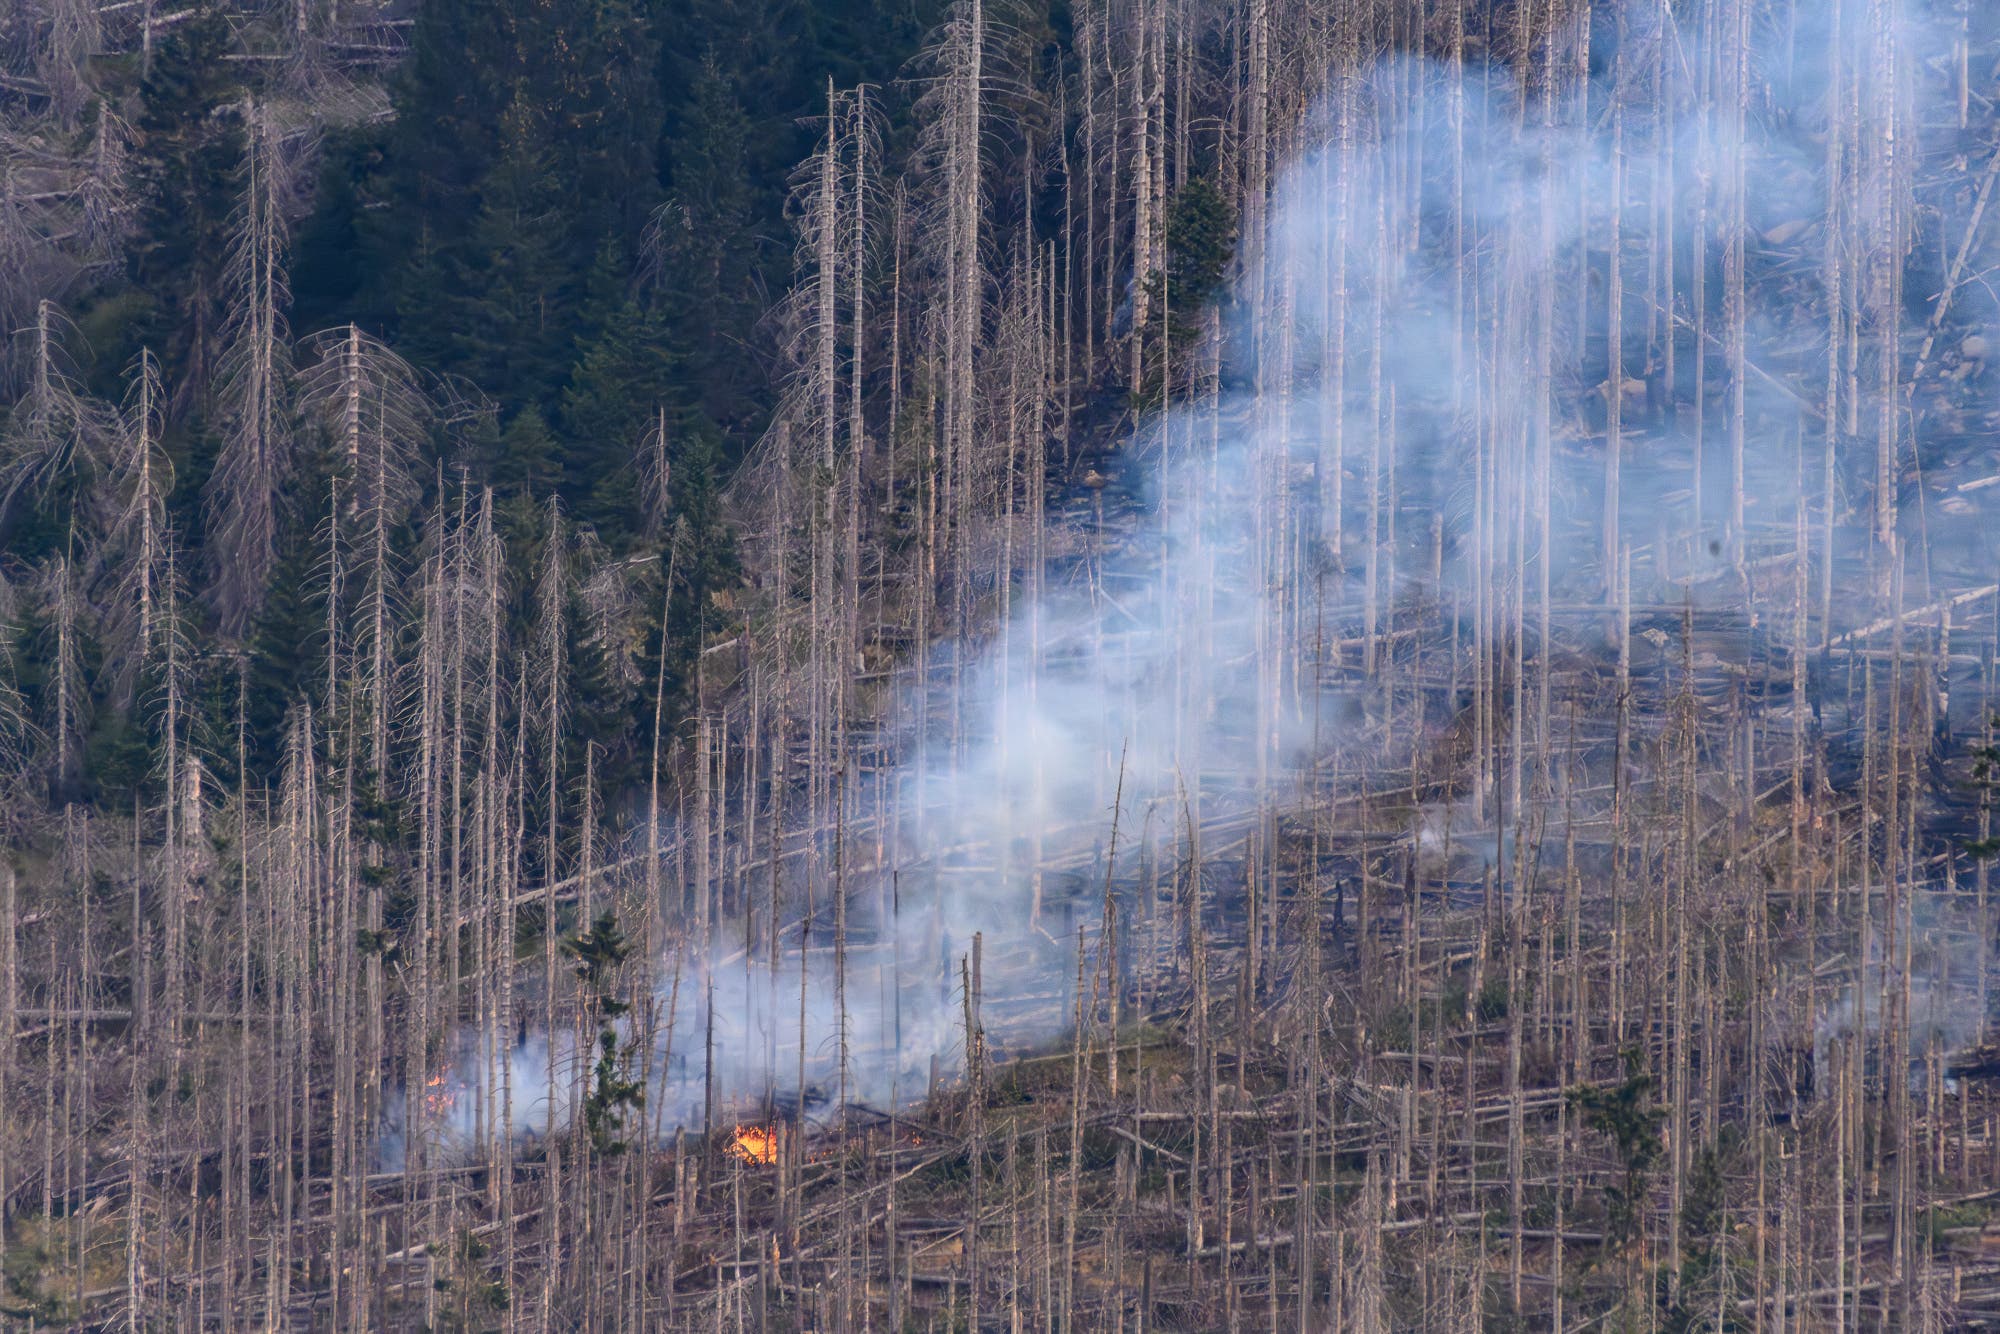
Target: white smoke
{"points": [[1162, 665]]}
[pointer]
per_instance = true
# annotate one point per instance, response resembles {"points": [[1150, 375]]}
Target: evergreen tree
{"points": [[724, 242], [604, 99], [330, 262], [526, 469], [697, 554], [496, 308], [287, 641], [705, 247], [524, 142], [603, 687], [600, 953], [1201, 241], [526, 466], [611, 397], [189, 146], [449, 97]]}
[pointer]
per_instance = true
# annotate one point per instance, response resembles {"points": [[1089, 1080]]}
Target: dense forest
{"points": [[984, 664]]}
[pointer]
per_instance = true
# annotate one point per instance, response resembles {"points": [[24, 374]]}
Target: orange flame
{"points": [[755, 1144], [438, 1094]]}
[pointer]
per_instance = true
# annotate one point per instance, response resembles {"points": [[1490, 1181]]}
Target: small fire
{"points": [[438, 1093], [755, 1144]]}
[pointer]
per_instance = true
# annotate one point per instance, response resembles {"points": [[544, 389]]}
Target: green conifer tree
{"points": [[189, 144], [611, 397], [496, 309]]}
